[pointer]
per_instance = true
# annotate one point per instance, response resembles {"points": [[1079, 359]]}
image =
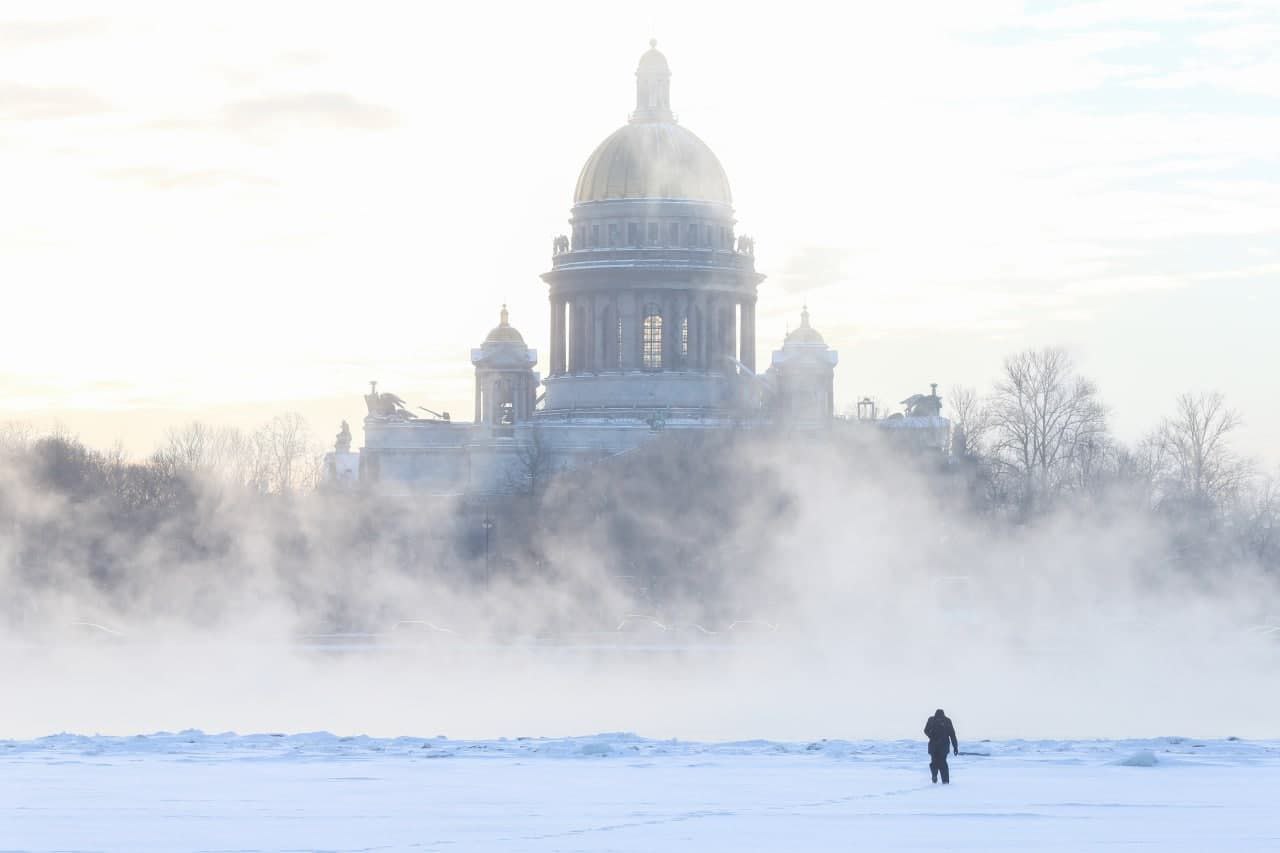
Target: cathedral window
{"points": [[613, 234], [595, 236], [724, 237], [652, 354], [633, 233], [653, 233], [691, 236], [673, 234]]}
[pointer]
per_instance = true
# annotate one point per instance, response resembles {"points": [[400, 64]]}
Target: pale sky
{"points": [[227, 211]]}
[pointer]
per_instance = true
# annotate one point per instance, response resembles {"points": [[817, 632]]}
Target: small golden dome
{"points": [[804, 334], [504, 332]]}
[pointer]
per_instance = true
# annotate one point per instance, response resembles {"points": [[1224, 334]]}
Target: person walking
{"points": [[941, 734]]}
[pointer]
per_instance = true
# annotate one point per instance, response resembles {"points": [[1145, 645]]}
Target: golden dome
{"points": [[504, 332], [653, 160], [653, 156], [804, 334]]}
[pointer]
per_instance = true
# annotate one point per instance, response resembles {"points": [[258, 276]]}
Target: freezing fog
{"points": [[742, 585]]}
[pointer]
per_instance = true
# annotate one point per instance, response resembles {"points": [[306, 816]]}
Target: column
{"points": [[629, 310], [575, 330], [704, 333], [597, 333], [670, 332], [724, 334], [477, 398], [557, 337], [747, 355]]}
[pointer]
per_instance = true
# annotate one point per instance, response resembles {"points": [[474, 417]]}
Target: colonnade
{"points": [[604, 332]]}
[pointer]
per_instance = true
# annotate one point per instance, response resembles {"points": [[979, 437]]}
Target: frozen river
{"points": [[191, 791]]}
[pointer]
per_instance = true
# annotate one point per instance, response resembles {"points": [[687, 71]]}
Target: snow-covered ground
{"points": [[618, 792]]}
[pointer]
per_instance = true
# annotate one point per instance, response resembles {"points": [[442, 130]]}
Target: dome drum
{"points": [[641, 270]]}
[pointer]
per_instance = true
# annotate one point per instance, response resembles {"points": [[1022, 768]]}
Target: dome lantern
{"points": [[653, 88]]}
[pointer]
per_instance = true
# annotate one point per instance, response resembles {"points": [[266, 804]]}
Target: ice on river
{"points": [[619, 792]]}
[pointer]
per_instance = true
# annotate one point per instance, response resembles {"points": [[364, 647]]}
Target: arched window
{"points": [[652, 353]]}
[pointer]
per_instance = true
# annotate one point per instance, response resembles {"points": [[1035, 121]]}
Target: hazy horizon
{"points": [[229, 215]]}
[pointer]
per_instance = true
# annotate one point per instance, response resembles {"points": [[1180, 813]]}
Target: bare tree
{"points": [[971, 418], [284, 453], [223, 455], [1257, 524], [1043, 419], [533, 466], [16, 436], [1201, 471]]}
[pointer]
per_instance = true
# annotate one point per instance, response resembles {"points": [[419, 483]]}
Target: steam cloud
{"points": [[890, 597]]}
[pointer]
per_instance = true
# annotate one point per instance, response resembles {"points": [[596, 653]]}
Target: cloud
{"points": [[29, 32], [164, 178], [813, 268], [1118, 284], [22, 102], [335, 110]]}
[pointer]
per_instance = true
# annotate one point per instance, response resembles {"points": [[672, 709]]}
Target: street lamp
{"points": [[487, 524]]}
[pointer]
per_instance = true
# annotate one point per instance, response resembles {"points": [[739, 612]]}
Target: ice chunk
{"points": [[1141, 758]]}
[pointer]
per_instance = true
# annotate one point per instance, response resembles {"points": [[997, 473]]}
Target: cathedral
{"points": [[653, 327]]}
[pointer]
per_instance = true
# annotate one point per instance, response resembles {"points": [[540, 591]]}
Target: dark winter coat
{"points": [[941, 734]]}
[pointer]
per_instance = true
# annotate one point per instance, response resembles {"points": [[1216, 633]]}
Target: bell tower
{"points": [[506, 383]]}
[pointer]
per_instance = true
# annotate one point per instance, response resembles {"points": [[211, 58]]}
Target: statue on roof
{"points": [[342, 444], [387, 406], [924, 405]]}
